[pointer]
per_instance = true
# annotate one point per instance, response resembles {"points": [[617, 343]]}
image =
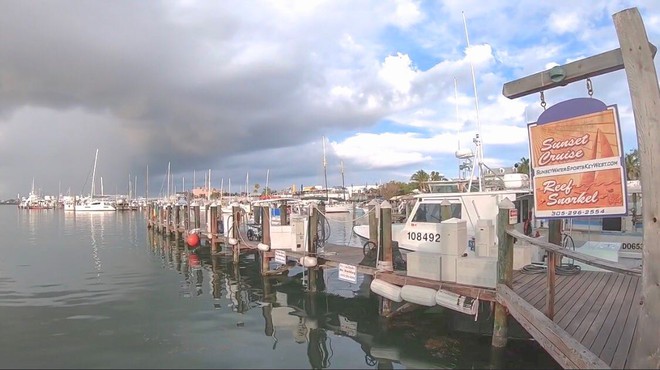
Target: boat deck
{"points": [[596, 308]]}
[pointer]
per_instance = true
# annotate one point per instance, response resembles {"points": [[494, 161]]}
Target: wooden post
{"points": [[186, 217], [312, 236], [235, 232], [386, 232], [504, 270], [284, 219], [196, 213], [386, 245], [214, 228], [373, 221], [264, 217], [645, 97], [177, 218], [554, 237]]}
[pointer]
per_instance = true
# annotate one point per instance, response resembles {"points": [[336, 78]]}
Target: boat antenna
{"points": [[458, 124], [477, 140]]}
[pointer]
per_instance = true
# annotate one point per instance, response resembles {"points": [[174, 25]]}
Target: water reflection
{"points": [[423, 339]]}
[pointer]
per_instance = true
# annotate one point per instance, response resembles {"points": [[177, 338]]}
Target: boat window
{"points": [[432, 212]]}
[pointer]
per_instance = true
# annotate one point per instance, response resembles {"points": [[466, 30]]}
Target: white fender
{"points": [[417, 294], [387, 290]]}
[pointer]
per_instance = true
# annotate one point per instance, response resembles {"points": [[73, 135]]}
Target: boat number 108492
{"points": [[429, 237]]}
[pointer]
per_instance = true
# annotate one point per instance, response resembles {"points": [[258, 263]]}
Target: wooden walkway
{"points": [[598, 309]]}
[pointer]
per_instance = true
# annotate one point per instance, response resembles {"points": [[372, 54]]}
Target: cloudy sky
{"points": [[249, 87]]}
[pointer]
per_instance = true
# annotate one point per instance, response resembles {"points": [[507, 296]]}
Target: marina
{"points": [[550, 263]]}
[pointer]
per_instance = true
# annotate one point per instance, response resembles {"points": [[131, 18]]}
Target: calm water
{"points": [[99, 290]]}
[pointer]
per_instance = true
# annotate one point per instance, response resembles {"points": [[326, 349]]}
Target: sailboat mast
{"points": [[343, 188], [267, 174], [247, 194], [208, 194], [325, 172], [96, 157], [479, 153], [146, 186], [168, 180]]}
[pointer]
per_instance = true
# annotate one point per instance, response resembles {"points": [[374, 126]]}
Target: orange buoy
{"points": [[192, 240]]}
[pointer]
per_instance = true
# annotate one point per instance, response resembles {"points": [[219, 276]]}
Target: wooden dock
{"points": [[598, 309]]}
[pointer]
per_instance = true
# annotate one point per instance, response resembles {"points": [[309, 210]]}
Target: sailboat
{"points": [[332, 205], [92, 204]]}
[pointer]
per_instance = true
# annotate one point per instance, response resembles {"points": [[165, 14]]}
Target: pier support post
{"points": [[235, 232], [214, 228], [177, 218], [284, 216], [504, 270], [645, 98], [264, 213], [197, 215], [168, 219], [313, 243], [554, 237], [373, 221], [186, 217], [386, 256]]}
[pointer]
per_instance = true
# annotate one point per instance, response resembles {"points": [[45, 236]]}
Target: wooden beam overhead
{"points": [[582, 69]]}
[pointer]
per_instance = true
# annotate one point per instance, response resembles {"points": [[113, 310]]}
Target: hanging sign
{"points": [[577, 161], [347, 273], [280, 256]]}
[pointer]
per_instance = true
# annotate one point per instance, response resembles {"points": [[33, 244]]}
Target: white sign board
{"points": [[513, 216], [348, 273], [347, 326], [280, 256]]}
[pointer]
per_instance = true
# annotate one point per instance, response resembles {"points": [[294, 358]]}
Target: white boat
{"points": [[91, 203], [421, 231]]}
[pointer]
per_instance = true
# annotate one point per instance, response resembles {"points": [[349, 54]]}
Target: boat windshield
{"points": [[432, 212]]}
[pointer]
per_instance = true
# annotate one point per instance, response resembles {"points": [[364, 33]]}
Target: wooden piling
{"points": [[284, 215], [214, 228], [373, 221], [554, 237], [185, 210], [264, 217], [177, 218], [197, 216], [386, 232], [504, 270], [386, 256], [645, 98], [235, 231]]}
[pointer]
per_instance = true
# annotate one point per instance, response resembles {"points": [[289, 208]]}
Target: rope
{"points": [[564, 269]]}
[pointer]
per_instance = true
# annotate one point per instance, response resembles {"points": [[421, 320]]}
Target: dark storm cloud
{"points": [[171, 88]]}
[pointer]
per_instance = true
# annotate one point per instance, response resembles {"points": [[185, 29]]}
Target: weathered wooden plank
{"points": [[532, 286], [578, 70], [645, 99], [608, 323], [587, 299], [562, 286], [587, 319], [589, 260], [616, 335], [575, 289], [567, 351], [623, 348]]}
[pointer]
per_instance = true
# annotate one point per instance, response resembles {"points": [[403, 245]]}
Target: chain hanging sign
{"points": [[577, 161]]}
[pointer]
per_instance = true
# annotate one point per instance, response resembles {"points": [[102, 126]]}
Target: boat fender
{"points": [[419, 295], [387, 290], [192, 240], [309, 261]]}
